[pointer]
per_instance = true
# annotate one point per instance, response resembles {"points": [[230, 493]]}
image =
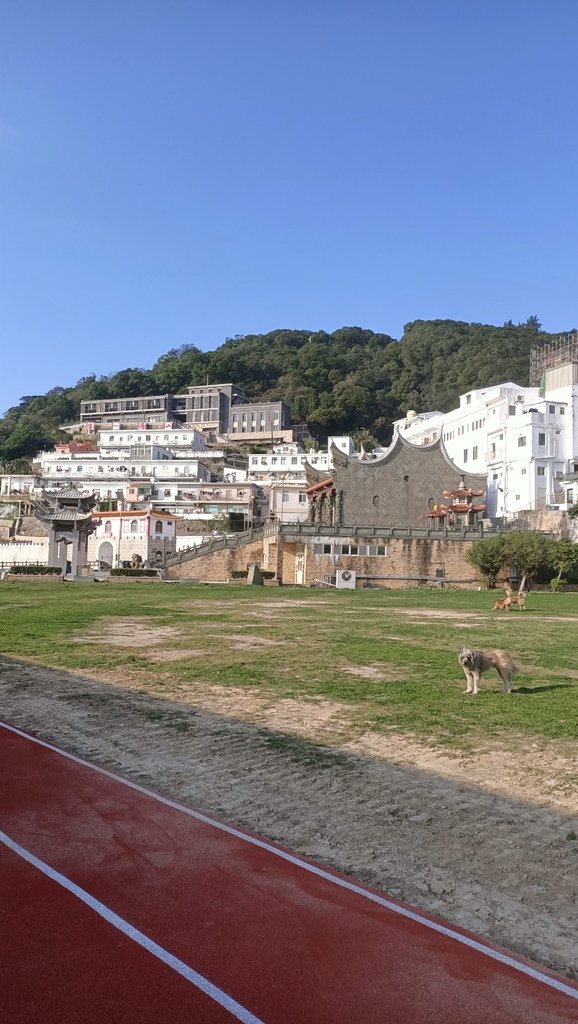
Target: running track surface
{"points": [[119, 905]]}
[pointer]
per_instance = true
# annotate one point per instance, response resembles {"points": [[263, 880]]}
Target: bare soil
{"points": [[479, 839]]}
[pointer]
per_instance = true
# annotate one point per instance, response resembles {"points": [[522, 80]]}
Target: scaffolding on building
{"points": [[560, 352]]}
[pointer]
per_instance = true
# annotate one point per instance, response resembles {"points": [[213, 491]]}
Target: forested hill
{"points": [[351, 381]]}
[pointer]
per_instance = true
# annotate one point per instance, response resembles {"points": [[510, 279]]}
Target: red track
{"points": [[121, 906]]}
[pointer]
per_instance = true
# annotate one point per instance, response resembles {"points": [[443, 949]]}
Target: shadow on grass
{"points": [[541, 689]]}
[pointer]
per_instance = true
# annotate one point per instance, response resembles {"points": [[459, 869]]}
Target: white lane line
{"points": [[396, 908], [215, 993]]}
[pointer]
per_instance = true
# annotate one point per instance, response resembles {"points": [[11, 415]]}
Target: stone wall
{"points": [[218, 566], [407, 561]]}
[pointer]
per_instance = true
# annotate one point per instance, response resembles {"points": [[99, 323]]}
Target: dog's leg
{"points": [[475, 681], [469, 680], [506, 680]]}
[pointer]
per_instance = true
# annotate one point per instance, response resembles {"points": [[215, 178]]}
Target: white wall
{"points": [[24, 553]]}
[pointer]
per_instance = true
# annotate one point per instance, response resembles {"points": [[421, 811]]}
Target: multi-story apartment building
{"points": [[179, 443], [215, 410], [525, 439], [154, 478]]}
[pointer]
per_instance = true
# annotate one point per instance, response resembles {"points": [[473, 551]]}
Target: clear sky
{"points": [[181, 171]]}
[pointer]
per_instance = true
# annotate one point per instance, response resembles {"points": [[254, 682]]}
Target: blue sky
{"points": [[181, 171]]}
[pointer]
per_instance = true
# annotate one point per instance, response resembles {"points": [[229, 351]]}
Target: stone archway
{"points": [[105, 553]]}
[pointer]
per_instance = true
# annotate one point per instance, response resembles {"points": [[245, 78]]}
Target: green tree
{"points": [[528, 552], [563, 556], [489, 556]]}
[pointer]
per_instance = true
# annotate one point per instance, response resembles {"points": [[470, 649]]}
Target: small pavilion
{"points": [[458, 509]]}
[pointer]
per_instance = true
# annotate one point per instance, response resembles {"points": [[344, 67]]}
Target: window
{"points": [[134, 526], [465, 455], [524, 472], [322, 549], [159, 525], [475, 452], [108, 526], [302, 498], [494, 476], [552, 409], [541, 439], [285, 496], [522, 441], [562, 410], [468, 399], [541, 471], [511, 410]]}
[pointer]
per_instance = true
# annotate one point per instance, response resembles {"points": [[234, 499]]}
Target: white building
{"points": [[181, 443], [524, 438], [282, 471], [121, 535]]}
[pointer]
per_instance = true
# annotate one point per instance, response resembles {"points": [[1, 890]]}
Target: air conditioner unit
{"points": [[345, 579]]}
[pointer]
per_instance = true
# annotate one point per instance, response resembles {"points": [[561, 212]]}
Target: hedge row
{"points": [[35, 570], [133, 572]]}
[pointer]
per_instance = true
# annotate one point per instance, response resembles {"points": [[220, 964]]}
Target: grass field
{"points": [[390, 656]]}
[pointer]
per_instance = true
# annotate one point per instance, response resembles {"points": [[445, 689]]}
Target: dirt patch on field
{"points": [[175, 654], [127, 633], [380, 673], [434, 613], [246, 642], [480, 839]]}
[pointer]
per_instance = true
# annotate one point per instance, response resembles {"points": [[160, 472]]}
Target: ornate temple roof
{"points": [[68, 515], [70, 493]]}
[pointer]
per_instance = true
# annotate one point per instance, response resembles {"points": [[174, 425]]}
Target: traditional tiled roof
{"points": [[70, 492], [59, 515]]}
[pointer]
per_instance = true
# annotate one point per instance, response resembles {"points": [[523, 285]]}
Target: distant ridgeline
{"points": [[352, 381]]}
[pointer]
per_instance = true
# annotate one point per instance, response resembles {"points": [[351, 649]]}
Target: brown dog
{"points": [[503, 603], [519, 599], [475, 663]]}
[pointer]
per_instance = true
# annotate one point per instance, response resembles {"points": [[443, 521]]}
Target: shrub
{"points": [[133, 572], [557, 583], [241, 574], [35, 570]]}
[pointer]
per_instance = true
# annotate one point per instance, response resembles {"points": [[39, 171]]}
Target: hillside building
{"points": [[523, 439], [217, 411]]}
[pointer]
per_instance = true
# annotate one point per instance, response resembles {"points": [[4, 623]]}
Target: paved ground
{"points": [[119, 904]]}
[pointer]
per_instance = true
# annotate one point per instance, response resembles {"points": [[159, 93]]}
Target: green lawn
{"points": [[410, 637]]}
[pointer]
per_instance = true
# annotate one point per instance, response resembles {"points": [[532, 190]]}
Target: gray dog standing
{"points": [[475, 663]]}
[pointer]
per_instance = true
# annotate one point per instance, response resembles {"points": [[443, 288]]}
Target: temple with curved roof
{"points": [[399, 487]]}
